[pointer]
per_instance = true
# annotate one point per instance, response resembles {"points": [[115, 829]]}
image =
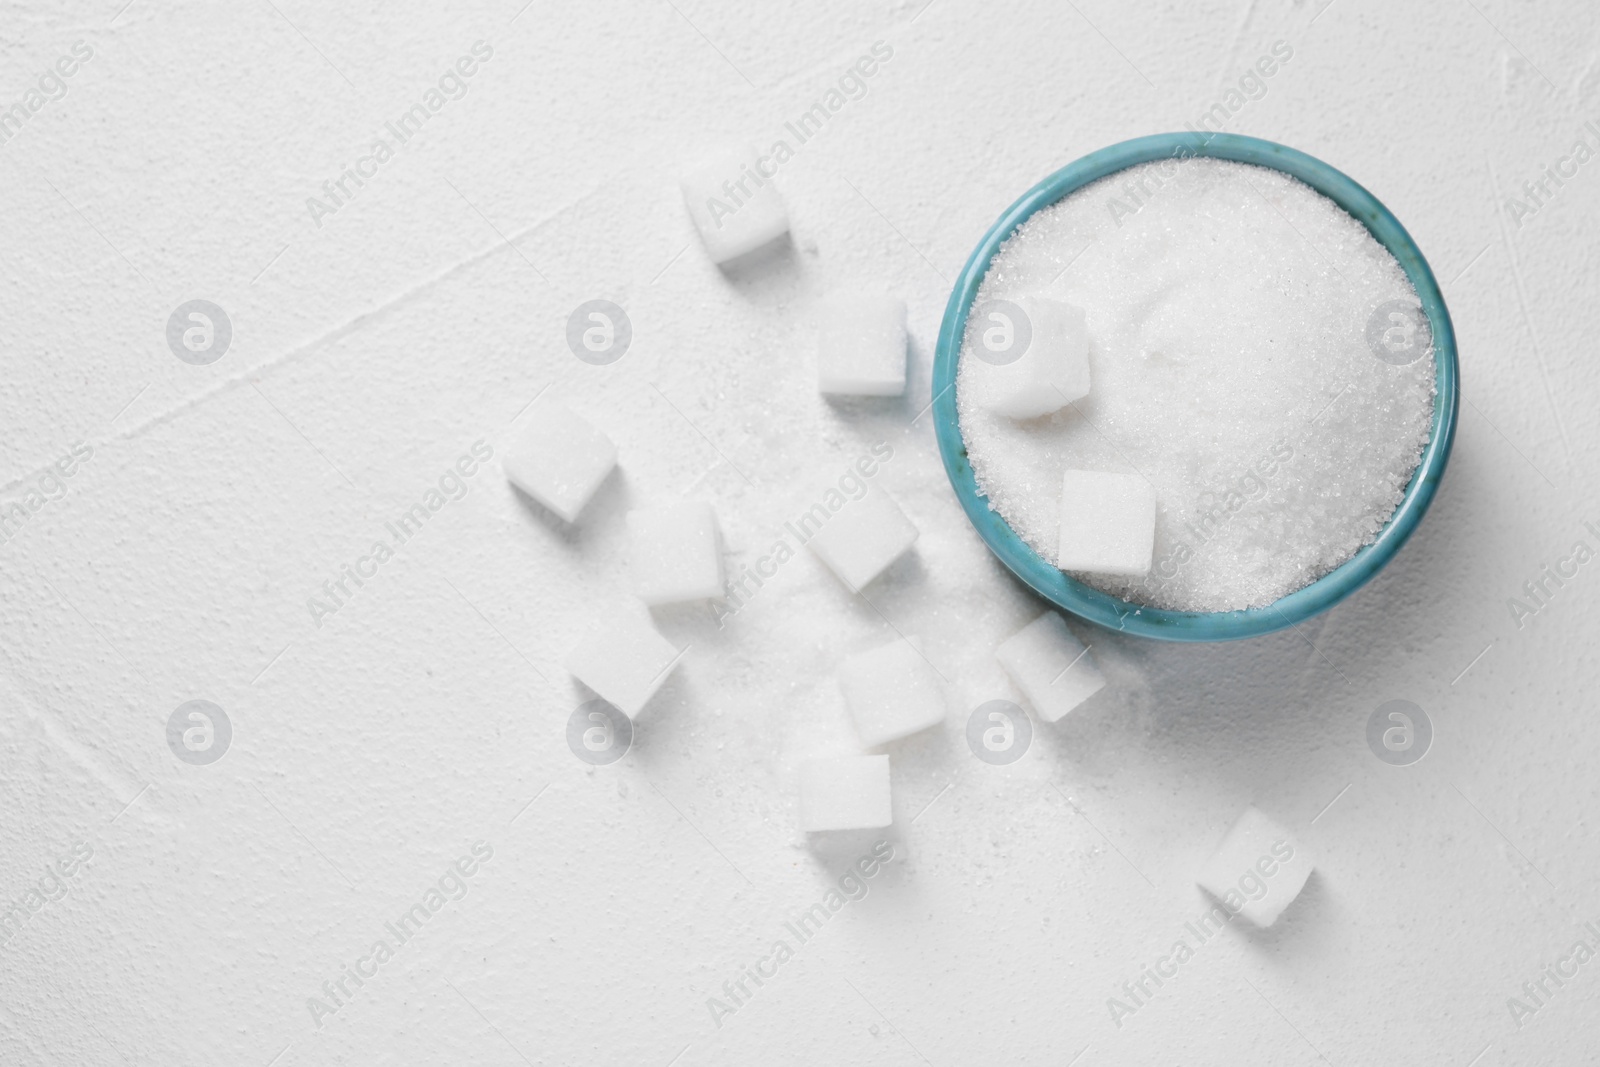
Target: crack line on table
{"points": [[343, 329]]}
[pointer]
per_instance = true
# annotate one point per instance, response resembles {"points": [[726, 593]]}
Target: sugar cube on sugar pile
{"points": [[1051, 667], [892, 692], [676, 553], [863, 538], [861, 345], [559, 458], [845, 793], [624, 660], [1052, 369], [1258, 870], [1108, 523], [733, 204]]}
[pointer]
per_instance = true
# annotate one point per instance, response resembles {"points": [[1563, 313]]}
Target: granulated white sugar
{"points": [[1228, 311]]}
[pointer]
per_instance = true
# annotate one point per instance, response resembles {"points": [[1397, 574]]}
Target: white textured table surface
{"points": [[375, 344]]}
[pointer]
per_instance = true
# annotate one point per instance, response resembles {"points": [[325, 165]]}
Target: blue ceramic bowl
{"points": [[1114, 612]]}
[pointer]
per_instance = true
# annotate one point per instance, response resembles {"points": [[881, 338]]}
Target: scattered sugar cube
{"points": [[861, 345], [891, 692], [845, 793], [625, 661], [1108, 523], [860, 539], [1258, 869], [735, 207], [677, 555], [559, 458], [1052, 371], [1051, 667]]}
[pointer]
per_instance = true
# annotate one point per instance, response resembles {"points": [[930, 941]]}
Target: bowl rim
{"points": [[1113, 612]]}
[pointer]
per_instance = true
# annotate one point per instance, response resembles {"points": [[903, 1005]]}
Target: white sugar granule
{"points": [[1229, 365]]}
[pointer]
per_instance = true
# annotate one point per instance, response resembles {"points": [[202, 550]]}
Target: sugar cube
{"points": [[861, 538], [1051, 667], [1108, 523], [861, 345], [624, 660], [891, 692], [1053, 369], [734, 204], [845, 793], [676, 553], [559, 458], [1258, 869]]}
